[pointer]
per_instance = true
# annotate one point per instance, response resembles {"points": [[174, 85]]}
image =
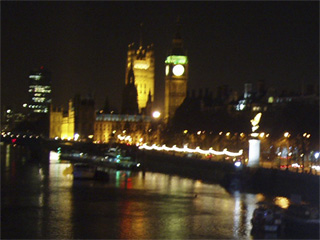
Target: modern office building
{"points": [[176, 78], [39, 91]]}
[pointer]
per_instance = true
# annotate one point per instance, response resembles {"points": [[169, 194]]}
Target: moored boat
{"points": [[267, 218], [114, 158], [84, 171], [303, 218]]}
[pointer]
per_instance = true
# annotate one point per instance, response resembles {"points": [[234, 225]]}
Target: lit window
{"points": [[270, 100]]}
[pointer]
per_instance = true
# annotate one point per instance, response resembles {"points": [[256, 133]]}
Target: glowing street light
{"points": [[76, 136], [156, 114], [286, 134]]}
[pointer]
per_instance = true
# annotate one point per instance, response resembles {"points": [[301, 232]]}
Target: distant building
{"points": [[264, 99], [75, 123], [10, 119], [62, 122], [122, 128], [84, 110], [176, 76], [142, 62], [39, 91]]}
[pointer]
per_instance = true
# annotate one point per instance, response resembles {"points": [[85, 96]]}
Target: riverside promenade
{"points": [[245, 179], [252, 180]]}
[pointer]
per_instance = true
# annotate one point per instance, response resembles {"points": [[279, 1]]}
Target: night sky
{"points": [[84, 45]]}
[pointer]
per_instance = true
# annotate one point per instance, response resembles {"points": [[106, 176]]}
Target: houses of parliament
{"points": [[134, 123]]}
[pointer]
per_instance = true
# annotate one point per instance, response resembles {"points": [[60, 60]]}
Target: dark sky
{"points": [[84, 45]]}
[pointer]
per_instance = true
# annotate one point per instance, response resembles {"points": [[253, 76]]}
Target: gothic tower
{"points": [[130, 96], [176, 70], [143, 67]]}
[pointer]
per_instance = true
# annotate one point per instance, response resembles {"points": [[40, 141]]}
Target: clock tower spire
{"points": [[176, 74]]}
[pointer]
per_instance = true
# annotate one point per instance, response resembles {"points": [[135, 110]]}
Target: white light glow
{"points": [[156, 114], [178, 70], [254, 153], [237, 164], [76, 136], [317, 168], [185, 149], [295, 165], [54, 156], [254, 134], [36, 77]]}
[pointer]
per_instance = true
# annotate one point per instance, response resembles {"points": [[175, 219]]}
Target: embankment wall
{"points": [[255, 180]]}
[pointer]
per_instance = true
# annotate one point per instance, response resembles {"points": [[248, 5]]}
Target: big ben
{"points": [[176, 71]]}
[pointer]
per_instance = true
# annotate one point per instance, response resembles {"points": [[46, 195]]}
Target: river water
{"points": [[43, 201]]}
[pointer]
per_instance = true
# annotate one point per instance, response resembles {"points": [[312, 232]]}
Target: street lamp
{"points": [[156, 114], [305, 148], [287, 135]]}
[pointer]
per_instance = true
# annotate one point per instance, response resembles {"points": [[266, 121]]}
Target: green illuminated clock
{"points": [[178, 70]]}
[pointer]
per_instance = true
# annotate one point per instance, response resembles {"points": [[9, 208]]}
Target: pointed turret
{"points": [[176, 74], [130, 95], [141, 24], [177, 43], [130, 78], [148, 109]]}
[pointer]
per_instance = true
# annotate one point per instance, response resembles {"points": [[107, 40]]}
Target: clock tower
{"points": [[176, 70]]}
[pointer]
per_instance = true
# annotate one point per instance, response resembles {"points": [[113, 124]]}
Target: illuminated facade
{"points": [[62, 124], [176, 78], [84, 111], [56, 116], [143, 67], [77, 123], [131, 129], [67, 126], [39, 91]]}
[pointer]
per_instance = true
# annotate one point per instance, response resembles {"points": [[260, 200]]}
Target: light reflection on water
{"points": [[129, 205]]}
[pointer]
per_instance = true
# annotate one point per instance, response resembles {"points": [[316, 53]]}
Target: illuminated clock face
{"points": [[167, 70], [178, 70]]}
